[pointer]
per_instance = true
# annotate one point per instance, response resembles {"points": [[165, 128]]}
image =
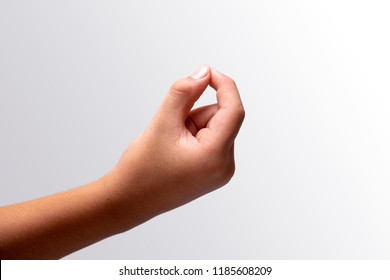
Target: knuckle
{"points": [[228, 174], [241, 112], [233, 82]]}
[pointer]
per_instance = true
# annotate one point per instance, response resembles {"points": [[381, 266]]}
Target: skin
{"points": [[182, 155]]}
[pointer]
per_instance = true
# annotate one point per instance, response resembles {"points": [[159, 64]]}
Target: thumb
{"points": [[183, 94]]}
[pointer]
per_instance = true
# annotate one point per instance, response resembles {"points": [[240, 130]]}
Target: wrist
{"points": [[129, 205]]}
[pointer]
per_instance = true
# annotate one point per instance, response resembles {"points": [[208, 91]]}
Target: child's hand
{"points": [[183, 153]]}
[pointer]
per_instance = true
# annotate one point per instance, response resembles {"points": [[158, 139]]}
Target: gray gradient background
{"points": [[80, 79]]}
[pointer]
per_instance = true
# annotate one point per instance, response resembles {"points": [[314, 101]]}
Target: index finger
{"points": [[227, 121]]}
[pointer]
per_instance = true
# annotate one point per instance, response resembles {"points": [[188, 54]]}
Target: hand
{"points": [[183, 153]]}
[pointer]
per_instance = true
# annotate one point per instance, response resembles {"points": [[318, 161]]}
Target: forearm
{"points": [[57, 225]]}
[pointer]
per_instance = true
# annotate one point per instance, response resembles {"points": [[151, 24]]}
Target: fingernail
{"points": [[201, 73]]}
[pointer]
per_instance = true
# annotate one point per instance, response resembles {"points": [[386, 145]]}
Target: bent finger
{"points": [[200, 117], [226, 123]]}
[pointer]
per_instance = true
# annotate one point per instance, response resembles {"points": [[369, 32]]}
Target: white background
{"points": [[80, 79]]}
